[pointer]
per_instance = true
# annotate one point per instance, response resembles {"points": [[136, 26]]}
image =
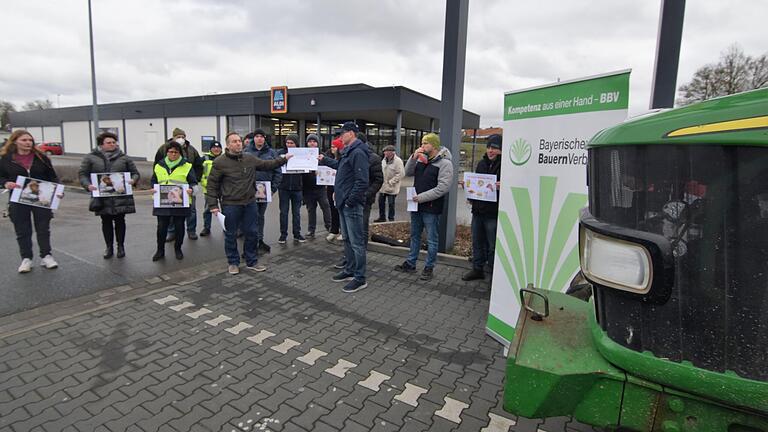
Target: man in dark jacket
{"points": [[485, 213], [290, 198], [192, 156], [231, 190], [314, 195], [350, 189], [375, 180], [260, 148]]}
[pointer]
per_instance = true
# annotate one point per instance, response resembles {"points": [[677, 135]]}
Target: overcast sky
{"points": [[156, 49]]}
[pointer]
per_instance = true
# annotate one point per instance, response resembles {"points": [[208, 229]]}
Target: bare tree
{"points": [[5, 109], [734, 73], [37, 104]]}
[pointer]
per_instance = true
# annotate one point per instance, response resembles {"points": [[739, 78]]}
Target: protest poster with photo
{"points": [[481, 187], [111, 184], [326, 176], [171, 196], [263, 191], [37, 193], [304, 158]]}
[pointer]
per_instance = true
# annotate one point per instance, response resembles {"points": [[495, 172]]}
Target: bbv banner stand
{"points": [[544, 186]]}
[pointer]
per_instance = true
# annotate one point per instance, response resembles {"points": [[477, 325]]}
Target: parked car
{"points": [[51, 148]]}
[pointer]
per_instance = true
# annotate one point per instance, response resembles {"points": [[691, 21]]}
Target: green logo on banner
{"points": [[520, 153], [523, 266]]}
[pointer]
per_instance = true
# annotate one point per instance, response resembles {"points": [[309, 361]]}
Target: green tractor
{"points": [[674, 250]]}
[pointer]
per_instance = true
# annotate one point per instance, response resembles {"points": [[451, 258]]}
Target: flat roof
{"points": [[334, 104]]}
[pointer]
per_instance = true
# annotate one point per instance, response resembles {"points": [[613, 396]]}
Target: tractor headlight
{"points": [[616, 263]]}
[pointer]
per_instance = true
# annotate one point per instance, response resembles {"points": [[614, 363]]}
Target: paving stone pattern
{"points": [[280, 350]]}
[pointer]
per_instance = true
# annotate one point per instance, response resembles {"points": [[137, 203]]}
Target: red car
{"points": [[51, 148]]}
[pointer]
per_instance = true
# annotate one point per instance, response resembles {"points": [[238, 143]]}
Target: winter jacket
{"points": [[188, 152], [375, 176], [207, 166], [352, 174], [394, 171], [487, 166], [97, 162], [41, 169], [266, 153], [290, 182], [191, 181], [232, 179], [432, 180]]}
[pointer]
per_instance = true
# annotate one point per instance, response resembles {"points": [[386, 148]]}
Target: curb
{"points": [[442, 258]]}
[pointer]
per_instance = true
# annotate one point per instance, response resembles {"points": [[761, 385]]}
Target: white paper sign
{"points": [[285, 170], [304, 158], [221, 218], [326, 176], [111, 184], [410, 192], [480, 187], [263, 191], [171, 196], [37, 193]]}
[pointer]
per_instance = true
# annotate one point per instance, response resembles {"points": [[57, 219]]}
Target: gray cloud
{"points": [[149, 49]]}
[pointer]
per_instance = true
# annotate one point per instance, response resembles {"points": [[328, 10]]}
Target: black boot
{"points": [[108, 252], [120, 251], [179, 254], [160, 254], [474, 274]]}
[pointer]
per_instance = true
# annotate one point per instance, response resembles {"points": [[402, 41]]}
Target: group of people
{"points": [[229, 178]]}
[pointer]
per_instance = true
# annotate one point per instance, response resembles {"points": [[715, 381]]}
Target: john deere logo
{"points": [[520, 152]]}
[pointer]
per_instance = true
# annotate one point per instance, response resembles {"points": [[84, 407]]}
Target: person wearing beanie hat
{"points": [[208, 158], [432, 169], [314, 195], [290, 196], [192, 156], [484, 214], [394, 170], [261, 149], [248, 140]]}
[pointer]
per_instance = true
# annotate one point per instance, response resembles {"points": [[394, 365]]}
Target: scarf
{"points": [[110, 154], [172, 164]]}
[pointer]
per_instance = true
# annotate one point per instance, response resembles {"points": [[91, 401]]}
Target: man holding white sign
{"points": [[485, 213]]}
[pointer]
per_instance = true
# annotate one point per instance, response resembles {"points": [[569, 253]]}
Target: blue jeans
{"points": [[419, 221], [384, 200], [351, 219], [290, 199], [191, 219], [207, 218], [262, 210], [244, 217], [483, 241]]}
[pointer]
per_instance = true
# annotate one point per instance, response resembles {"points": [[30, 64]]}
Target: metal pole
{"points": [[452, 100], [95, 111], [398, 126], [664, 85]]}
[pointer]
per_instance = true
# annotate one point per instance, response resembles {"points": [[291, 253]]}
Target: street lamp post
{"points": [[95, 109]]}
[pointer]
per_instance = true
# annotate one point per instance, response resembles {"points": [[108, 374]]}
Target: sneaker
{"points": [[256, 267], [339, 238], [281, 240], [341, 264], [233, 269], [474, 274], [405, 268], [381, 219], [354, 286], [192, 235], [264, 247], [205, 232], [427, 274], [49, 262], [310, 234], [170, 238], [300, 239], [342, 277], [330, 237], [26, 266]]}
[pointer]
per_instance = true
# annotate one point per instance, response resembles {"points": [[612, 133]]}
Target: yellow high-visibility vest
{"points": [[177, 176], [207, 166]]}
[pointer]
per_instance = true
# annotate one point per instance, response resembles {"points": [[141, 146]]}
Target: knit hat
{"points": [[259, 131], [215, 144], [338, 143], [178, 131], [431, 138], [294, 138], [389, 148], [311, 137], [249, 136], [494, 141]]}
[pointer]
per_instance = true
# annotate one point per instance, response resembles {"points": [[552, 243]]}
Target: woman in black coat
{"points": [[107, 158], [167, 171], [19, 157]]}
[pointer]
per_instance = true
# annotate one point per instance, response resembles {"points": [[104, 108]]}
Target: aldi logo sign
{"points": [[279, 100]]}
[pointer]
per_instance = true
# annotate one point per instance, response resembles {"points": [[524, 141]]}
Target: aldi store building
{"points": [[387, 115]]}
